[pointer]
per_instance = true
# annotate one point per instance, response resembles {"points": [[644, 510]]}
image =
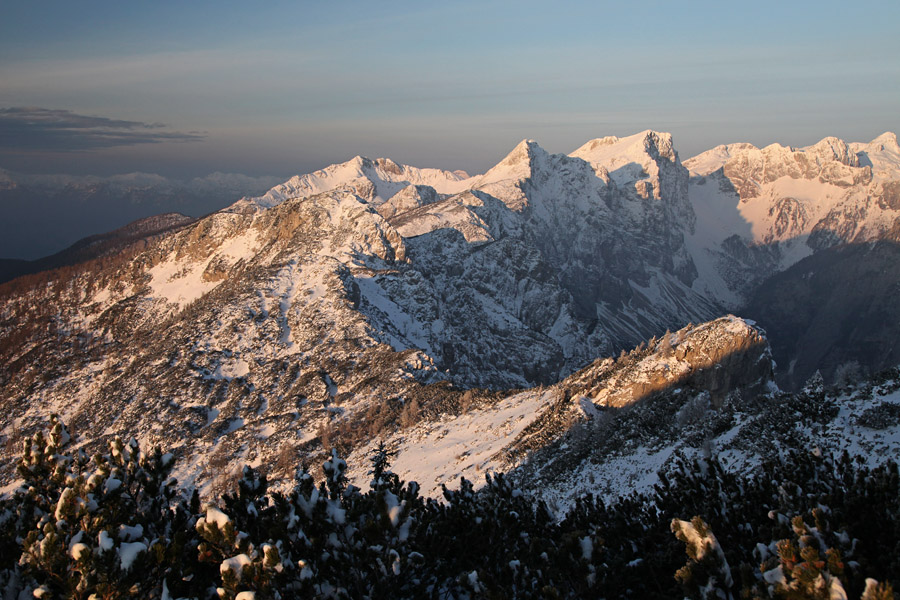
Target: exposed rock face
{"points": [[407, 199], [280, 317], [830, 161], [720, 357]]}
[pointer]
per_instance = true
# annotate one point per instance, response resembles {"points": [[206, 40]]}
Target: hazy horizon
{"points": [[287, 88], [76, 175], [103, 88]]}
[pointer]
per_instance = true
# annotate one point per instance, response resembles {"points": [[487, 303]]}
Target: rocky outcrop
{"points": [[719, 357], [727, 357]]}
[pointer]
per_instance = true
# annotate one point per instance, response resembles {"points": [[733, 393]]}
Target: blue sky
{"points": [[187, 88]]}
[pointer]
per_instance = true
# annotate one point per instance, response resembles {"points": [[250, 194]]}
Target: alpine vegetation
{"points": [[116, 525]]}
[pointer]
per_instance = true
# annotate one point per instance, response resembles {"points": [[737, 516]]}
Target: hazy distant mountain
{"points": [[98, 245], [45, 213]]}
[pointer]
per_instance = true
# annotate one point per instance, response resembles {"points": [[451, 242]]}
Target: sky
{"points": [[184, 89]]}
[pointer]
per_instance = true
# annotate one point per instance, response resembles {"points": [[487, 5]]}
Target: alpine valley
{"points": [[567, 319]]}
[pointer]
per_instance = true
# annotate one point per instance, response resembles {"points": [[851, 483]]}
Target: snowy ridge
{"points": [[494, 437], [882, 154], [377, 181], [630, 159]]}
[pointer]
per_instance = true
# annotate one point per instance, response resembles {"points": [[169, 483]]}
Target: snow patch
{"points": [[128, 552]]}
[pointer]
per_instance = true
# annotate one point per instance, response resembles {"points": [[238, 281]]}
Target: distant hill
{"points": [[95, 246]]}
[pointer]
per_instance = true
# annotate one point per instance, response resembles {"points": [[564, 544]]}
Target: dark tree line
{"points": [[116, 525]]}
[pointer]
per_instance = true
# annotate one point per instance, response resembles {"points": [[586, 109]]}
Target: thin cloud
{"points": [[53, 130]]}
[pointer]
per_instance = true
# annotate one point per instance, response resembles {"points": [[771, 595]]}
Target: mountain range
{"points": [[370, 298]]}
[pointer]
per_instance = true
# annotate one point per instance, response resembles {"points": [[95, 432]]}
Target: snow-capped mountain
{"points": [[771, 227], [762, 210], [371, 295], [550, 252], [375, 181]]}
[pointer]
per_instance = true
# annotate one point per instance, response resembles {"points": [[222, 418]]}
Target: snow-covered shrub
{"points": [[707, 574], [881, 416], [99, 526], [116, 526]]}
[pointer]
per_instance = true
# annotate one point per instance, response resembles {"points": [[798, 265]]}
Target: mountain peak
{"points": [[524, 150], [373, 180], [881, 154], [611, 150], [359, 161], [518, 164], [887, 140], [832, 148]]}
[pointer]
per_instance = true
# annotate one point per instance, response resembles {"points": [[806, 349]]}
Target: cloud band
{"points": [[53, 130]]}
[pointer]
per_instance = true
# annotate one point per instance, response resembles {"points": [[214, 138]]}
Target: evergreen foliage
{"points": [[804, 525]]}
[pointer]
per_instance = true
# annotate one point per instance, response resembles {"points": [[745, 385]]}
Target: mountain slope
{"points": [[614, 427], [715, 361], [235, 334], [835, 310]]}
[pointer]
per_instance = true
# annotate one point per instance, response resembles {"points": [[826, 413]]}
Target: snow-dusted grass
{"points": [[181, 281], [468, 445]]}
